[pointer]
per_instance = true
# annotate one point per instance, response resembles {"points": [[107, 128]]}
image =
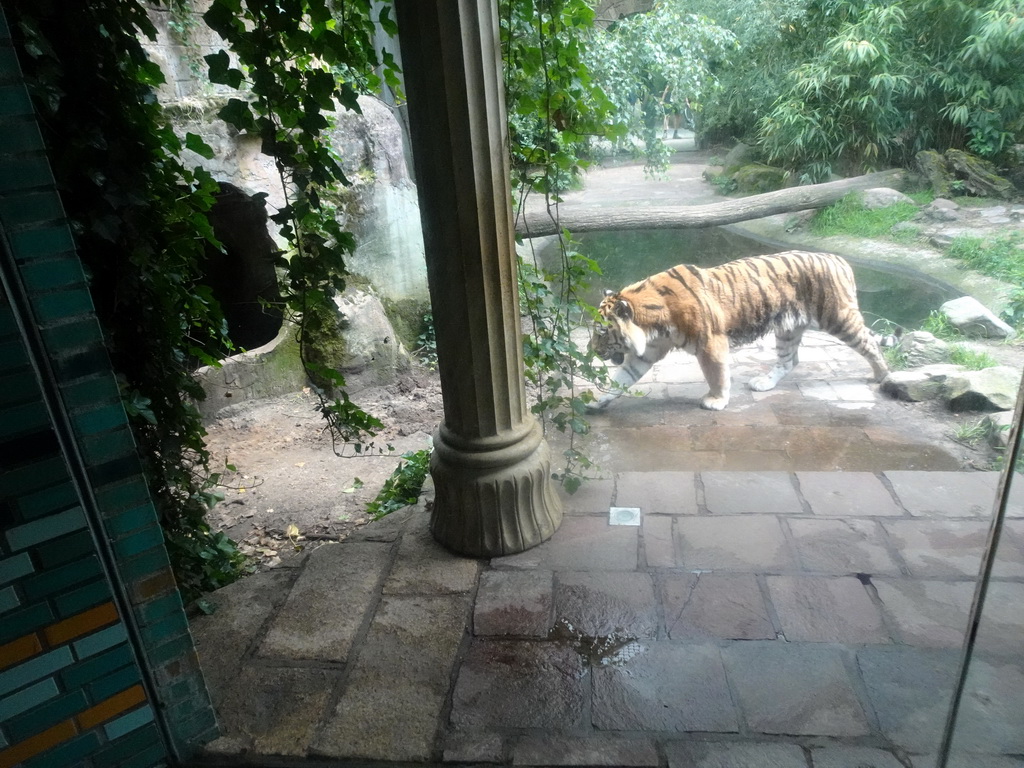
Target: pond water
{"points": [[903, 296]]}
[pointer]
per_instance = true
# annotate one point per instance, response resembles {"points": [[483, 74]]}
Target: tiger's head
{"points": [[615, 334]]}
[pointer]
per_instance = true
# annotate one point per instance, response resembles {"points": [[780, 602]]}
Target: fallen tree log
{"points": [[537, 223]]}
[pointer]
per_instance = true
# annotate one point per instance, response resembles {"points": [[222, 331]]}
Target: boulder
{"points": [[372, 354], [940, 209], [757, 177], [930, 382], [737, 157], [881, 197], [991, 389], [922, 348], [972, 318], [978, 176], [998, 425], [932, 166]]}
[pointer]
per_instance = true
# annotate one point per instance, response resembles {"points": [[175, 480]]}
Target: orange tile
{"points": [[151, 586], [115, 705], [33, 746], [80, 624], [20, 649]]}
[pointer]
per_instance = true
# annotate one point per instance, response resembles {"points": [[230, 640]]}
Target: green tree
{"points": [[890, 79], [664, 59]]}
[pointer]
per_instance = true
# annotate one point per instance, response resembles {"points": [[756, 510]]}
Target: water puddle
{"points": [[607, 650]]}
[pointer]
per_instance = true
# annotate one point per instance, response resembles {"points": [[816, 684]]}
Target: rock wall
{"points": [[380, 207]]}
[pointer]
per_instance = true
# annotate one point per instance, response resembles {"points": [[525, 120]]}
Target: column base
{"points": [[493, 497]]}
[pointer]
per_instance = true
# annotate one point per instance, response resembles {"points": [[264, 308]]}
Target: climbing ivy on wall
{"points": [[139, 214], [555, 107], [299, 60], [139, 219]]}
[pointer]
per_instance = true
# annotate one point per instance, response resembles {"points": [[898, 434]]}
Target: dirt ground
{"points": [[291, 489]]}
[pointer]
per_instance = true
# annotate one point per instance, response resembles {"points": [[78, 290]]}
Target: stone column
{"points": [[491, 464]]}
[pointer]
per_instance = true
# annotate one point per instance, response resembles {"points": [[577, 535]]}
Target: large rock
{"points": [[972, 318], [757, 178], [991, 389], [922, 348], [881, 197], [372, 352], [930, 382]]}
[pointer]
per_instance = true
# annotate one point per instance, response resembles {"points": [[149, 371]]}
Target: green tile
{"points": [[187, 732], [130, 520], [128, 723], [20, 210], [24, 621], [100, 449], [85, 672], [8, 599], [12, 354], [122, 496], [90, 392], [67, 753], [170, 650], [59, 304], [12, 568], [100, 419], [168, 605], [34, 669], [62, 272], [26, 698], [14, 100], [66, 549], [81, 364], [45, 529], [17, 173], [18, 388], [77, 600], [57, 498], [47, 241], [115, 471], [60, 579], [139, 542], [22, 137], [46, 716], [22, 419], [127, 746], [100, 641], [148, 562], [115, 682], [82, 333], [163, 630], [152, 757]]}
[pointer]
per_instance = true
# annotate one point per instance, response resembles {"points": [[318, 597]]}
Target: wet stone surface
{"points": [[766, 493], [541, 685], [909, 691], [665, 687], [801, 689], [850, 494], [698, 754], [613, 605], [710, 605], [514, 603], [842, 546], [826, 610]]}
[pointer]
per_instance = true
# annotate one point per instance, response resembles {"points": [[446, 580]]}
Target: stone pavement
{"points": [[689, 613]]}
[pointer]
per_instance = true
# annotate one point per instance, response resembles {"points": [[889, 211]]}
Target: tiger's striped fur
{"points": [[707, 311]]}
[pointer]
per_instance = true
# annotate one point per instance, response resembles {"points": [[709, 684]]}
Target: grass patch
{"points": [[971, 359], [1001, 257], [938, 325], [971, 433], [850, 217]]}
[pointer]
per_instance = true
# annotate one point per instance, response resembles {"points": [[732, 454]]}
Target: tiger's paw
{"points": [[710, 403], [763, 383]]}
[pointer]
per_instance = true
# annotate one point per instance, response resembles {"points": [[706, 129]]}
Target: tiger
{"points": [[708, 311]]}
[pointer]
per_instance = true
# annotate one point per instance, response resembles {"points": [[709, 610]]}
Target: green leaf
{"points": [[195, 143]]}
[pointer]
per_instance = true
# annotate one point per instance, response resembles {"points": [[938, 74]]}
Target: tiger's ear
{"points": [[608, 292], [623, 309]]}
